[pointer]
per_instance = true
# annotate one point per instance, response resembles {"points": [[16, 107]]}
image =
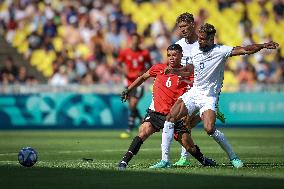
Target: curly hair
{"points": [[209, 29], [175, 47], [185, 17]]}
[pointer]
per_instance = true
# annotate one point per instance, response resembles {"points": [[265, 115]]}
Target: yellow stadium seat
{"points": [[61, 31], [19, 37], [36, 57], [23, 47], [58, 44], [83, 50]]}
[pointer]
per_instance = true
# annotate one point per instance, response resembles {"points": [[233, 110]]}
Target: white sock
{"points": [[220, 138], [184, 153], [167, 138]]}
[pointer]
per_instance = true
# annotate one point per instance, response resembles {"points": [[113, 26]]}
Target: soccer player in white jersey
{"points": [[208, 62], [186, 26]]}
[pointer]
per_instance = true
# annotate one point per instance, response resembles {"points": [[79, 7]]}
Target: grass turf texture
{"points": [[61, 163]]}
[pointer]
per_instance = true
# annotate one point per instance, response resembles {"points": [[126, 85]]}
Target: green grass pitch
{"points": [[61, 163]]}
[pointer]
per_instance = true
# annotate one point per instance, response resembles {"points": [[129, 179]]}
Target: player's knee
{"points": [[209, 125], [209, 129], [171, 118]]}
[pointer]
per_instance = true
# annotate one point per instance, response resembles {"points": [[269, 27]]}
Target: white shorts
{"points": [[194, 100]]}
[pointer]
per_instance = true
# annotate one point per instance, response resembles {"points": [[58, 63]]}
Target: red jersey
{"points": [[166, 89], [135, 62]]}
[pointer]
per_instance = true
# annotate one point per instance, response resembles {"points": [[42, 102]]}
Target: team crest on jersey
{"points": [[128, 57], [141, 58]]}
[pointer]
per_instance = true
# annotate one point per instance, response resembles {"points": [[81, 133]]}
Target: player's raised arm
{"points": [[250, 49], [141, 79]]}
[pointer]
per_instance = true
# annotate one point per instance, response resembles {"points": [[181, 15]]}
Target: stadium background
{"points": [[58, 70], [58, 58]]}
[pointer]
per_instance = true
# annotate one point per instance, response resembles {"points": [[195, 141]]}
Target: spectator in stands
{"points": [[80, 65], [129, 24], [23, 75], [99, 55], [158, 27], [49, 28], [278, 8], [200, 18], [70, 70], [89, 78], [86, 23], [245, 22], [222, 4], [114, 38], [60, 78], [86, 30], [34, 40], [9, 67], [31, 80], [247, 77]]}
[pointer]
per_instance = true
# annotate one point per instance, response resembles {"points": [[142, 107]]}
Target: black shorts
{"points": [[157, 120], [137, 92]]}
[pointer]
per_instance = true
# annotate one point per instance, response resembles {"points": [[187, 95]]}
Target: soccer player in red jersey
{"points": [[133, 62], [166, 90]]}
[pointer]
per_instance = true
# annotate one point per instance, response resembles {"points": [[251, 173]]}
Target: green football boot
{"points": [[182, 162]]}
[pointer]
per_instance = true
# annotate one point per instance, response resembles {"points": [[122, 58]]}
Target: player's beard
{"points": [[203, 48], [206, 48]]}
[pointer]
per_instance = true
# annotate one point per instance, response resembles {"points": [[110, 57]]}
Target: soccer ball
{"points": [[27, 157]]}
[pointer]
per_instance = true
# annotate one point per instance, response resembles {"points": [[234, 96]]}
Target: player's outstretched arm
{"points": [[184, 71], [141, 79], [250, 49]]}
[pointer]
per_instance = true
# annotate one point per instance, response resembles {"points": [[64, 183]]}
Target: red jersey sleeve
{"points": [[121, 56], [156, 69]]}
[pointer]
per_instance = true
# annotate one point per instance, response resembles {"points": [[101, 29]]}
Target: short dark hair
{"points": [[185, 17], [175, 47], [209, 29]]}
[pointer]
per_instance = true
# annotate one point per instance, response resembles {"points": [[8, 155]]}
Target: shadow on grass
{"points": [[264, 164], [39, 177], [257, 165]]}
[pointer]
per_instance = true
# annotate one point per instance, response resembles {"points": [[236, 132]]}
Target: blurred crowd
{"points": [[79, 41], [10, 73]]}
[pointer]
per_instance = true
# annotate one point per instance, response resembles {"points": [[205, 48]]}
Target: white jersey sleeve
{"points": [[226, 50]]}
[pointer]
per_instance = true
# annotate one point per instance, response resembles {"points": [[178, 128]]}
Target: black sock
{"points": [[133, 149], [131, 120], [198, 155], [137, 114]]}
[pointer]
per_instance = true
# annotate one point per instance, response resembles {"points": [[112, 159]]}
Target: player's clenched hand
{"points": [[185, 79], [124, 95], [167, 70], [271, 45]]}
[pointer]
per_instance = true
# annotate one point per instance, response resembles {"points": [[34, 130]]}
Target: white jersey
{"points": [[209, 68], [186, 48]]}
